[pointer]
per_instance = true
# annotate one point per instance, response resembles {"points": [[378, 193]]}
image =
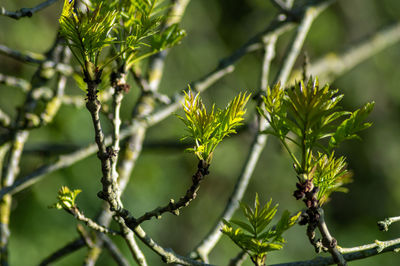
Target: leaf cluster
{"points": [[208, 129], [252, 236], [87, 33], [309, 117], [142, 29], [132, 27], [66, 198]]}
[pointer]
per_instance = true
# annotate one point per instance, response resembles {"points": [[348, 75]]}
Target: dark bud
{"points": [[298, 194], [303, 219]]}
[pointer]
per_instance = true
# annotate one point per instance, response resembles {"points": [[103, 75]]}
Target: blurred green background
{"points": [[214, 30]]}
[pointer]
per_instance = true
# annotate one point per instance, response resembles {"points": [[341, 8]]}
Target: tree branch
{"points": [[384, 225], [335, 64], [15, 82], [35, 58], [25, 12], [65, 250], [172, 206], [89, 222], [350, 254]]}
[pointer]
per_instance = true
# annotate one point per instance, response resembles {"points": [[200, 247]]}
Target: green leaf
{"points": [[66, 198], [208, 129], [257, 242], [349, 127], [243, 225]]}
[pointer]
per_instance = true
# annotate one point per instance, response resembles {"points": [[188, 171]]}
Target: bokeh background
{"points": [[214, 30]]}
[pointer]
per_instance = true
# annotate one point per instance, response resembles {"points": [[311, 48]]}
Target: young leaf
{"points": [[258, 242], [208, 129], [349, 127]]}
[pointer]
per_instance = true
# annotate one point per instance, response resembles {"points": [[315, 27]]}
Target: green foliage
{"points": [[208, 129], [87, 34], [252, 236], [132, 27], [309, 116], [66, 198], [329, 175], [140, 27]]}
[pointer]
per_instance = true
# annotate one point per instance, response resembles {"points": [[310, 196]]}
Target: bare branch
{"points": [[22, 56], [89, 222], [172, 206], [65, 250], [116, 254], [15, 82], [36, 58], [5, 119], [350, 254], [384, 225], [335, 64], [309, 16], [26, 12]]}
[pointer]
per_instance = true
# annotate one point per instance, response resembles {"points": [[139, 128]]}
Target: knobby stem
{"points": [[172, 206]]}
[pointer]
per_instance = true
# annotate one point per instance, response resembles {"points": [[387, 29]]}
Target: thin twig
{"points": [[90, 223], [329, 242], [116, 254], [25, 12], [309, 16], [5, 119], [129, 237], [350, 254], [65, 250], [167, 255], [384, 225], [20, 83], [35, 58], [172, 206], [19, 136], [335, 64], [28, 57]]}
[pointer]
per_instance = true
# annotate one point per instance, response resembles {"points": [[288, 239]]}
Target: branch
{"points": [[129, 237], [269, 54], [25, 12], [328, 241], [35, 58], [89, 222], [191, 193], [19, 136], [65, 250], [5, 119], [116, 254], [384, 225], [28, 57], [167, 255], [351, 254], [15, 82], [309, 16], [335, 64]]}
